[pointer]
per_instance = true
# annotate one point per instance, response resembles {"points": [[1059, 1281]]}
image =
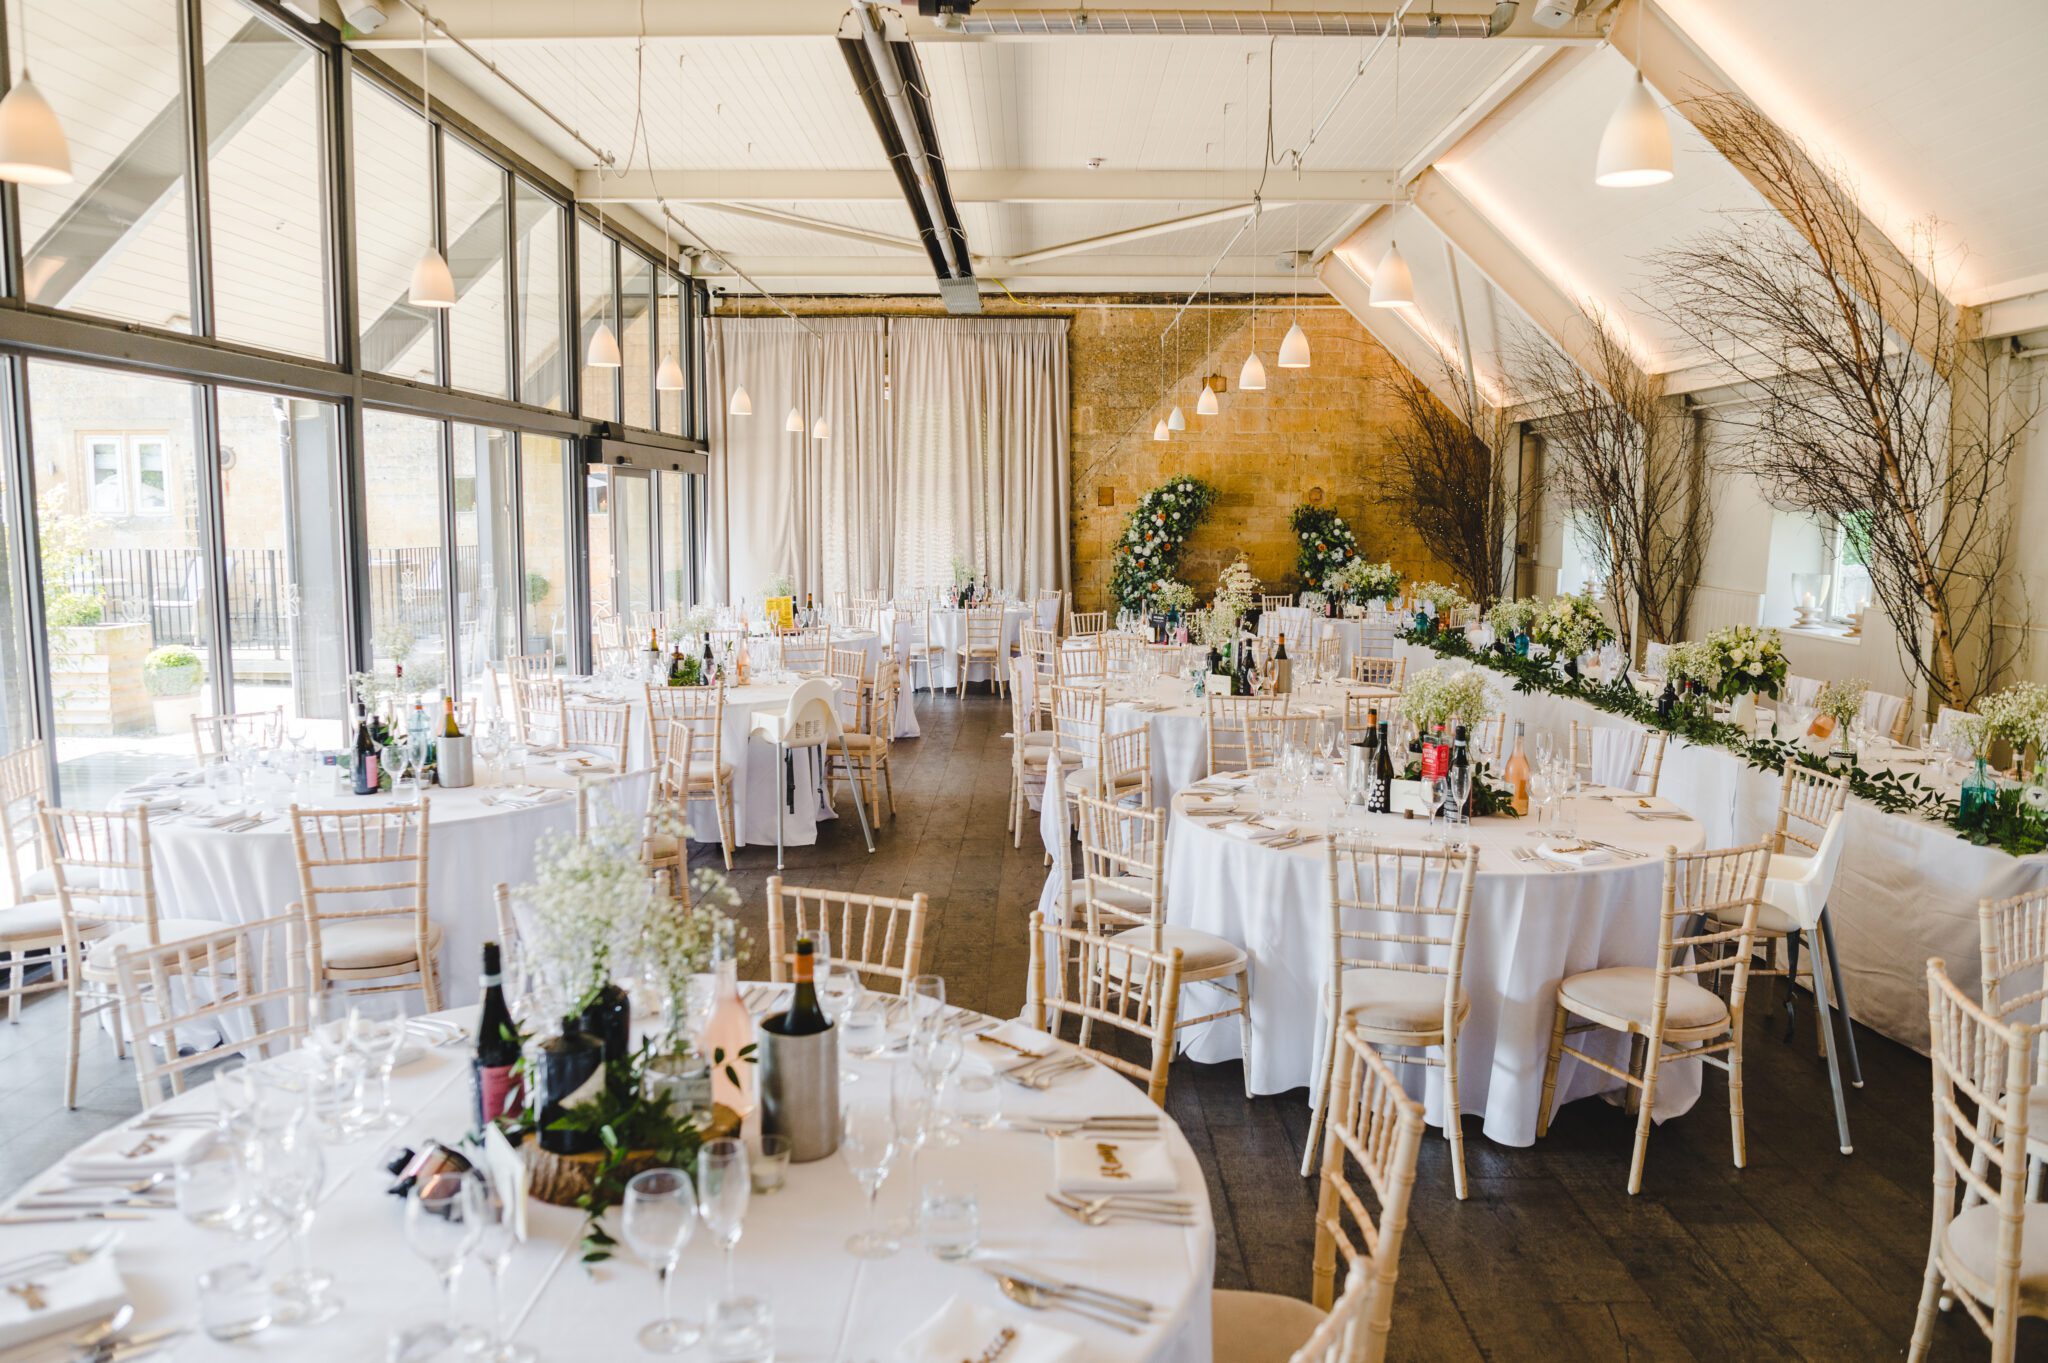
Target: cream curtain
{"points": [[969, 457]]}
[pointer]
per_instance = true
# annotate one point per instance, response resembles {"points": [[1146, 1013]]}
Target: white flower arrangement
{"points": [[1510, 617], [1693, 662], [1571, 626], [782, 584], [963, 571], [1362, 582], [372, 690], [1750, 659], [1172, 596], [695, 620], [1215, 627], [1446, 695], [1444, 601], [2018, 714], [1315, 603], [588, 899], [1843, 700]]}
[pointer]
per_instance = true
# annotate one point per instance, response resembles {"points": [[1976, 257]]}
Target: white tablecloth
{"points": [[203, 872], [826, 1303], [949, 632], [1907, 889], [1531, 927]]}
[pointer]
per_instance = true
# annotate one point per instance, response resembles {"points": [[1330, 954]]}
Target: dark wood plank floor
{"points": [[1803, 1255]]}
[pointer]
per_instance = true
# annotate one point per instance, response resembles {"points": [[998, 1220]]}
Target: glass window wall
{"points": [[543, 470], [670, 404], [599, 291], [408, 578], [486, 552], [636, 338], [544, 374], [476, 257], [394, 225]]}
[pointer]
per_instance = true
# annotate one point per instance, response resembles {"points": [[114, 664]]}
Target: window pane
{"points": [[675, 553], [125, 595], [607, 626], [151, 496], [636, 337], [17, 713], [109, 478], [486, 553], [594, 276], [264, 169], [113, 241], [476, 256], [282, 522], [673, 344], [541, 467], [635, 544], [544, 376], [408, 578], [394, 227]]}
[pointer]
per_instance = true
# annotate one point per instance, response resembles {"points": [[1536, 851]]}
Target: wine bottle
{"points": [[704, 673], [1461, 767], [805, 1017], [1516, 774], [365, 764], [499, 1092], [1380, 801], [1283, 670], [731, 1028], [567, 1063], [675, 667], [449, 728]]}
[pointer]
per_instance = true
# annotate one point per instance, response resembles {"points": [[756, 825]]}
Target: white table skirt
{"points": [[1530, 928], [826, 1304], [949, 633], [1907, 889], [202, 872]]}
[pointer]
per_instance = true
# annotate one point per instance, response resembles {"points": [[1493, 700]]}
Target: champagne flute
{"points": [[378, 1041], [660, 1216], [497, 1241], [867, 1142], [927, 998], [935, 1054], [288, 1172], [724, 1183], [442, 1226], [911, 1109]]}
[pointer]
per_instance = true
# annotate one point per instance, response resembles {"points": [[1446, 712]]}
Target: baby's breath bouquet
{"points": [[1571, 626], [1751, 659], [1216, 627], [1172, 596], [1443, 600], [1692, 662], [1360, 582], [2018, 714], [1513, 616], [1447, 695], [587, 901], [1843, 700]]}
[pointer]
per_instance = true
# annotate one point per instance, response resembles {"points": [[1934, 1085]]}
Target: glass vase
{"points": [[1979, 795]]}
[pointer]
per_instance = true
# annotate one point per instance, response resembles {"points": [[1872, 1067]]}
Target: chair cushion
{"points": [[373, 943], [864, 743], [37, 918], [1260, 1327], [1972, 1240], [99, 957], [1199, 951], [1398, 1000], [701, 777], [1769, 918], [1136, 899], [1628, 991], [43, 881], [1042, 739]]}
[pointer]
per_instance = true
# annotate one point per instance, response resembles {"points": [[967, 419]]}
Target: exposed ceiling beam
{"points": [[1393, 328], [883, 240], [1672, 63], [1229, 213], [550, 21], [985, 186], [1099, 268]]}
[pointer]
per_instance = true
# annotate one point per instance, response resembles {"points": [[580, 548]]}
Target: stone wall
{"points": [[1326, 429]]}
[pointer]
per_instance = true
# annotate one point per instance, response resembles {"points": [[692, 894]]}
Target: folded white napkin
{"points": [[1255, 832], [1575, 854], [67, 1299], [1653, 814], [1089, 1166], [136, 1152], [151, 798], [1228, 780], [962, 1330], [989, 1057]]}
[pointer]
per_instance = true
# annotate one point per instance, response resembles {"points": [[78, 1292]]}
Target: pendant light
{"points": [[603, 350], [1392, 285], [741, 404], [1635, 150], [794, 422], [668, 375], [1176, 420], [1206, 404], [821, 429], [1294, 345], [33, 148], [1160, 432], [432, 285], [1294, 348], [1252, 378]]}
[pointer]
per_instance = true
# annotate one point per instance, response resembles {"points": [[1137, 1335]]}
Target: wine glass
{"points": [[867, 1142], [378, 1041], [935, 1054], [497, 1240], [1459, 784], [660, 1216], [488, 739], [927, 998], [442, 1225], [287, 1172], [724, 1183], [912, 1109]]}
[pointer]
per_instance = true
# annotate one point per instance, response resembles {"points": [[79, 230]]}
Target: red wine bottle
{"points": [[500, 1092], [805, 1017]]}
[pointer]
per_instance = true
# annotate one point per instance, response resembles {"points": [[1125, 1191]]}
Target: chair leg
{"points": [[859, 805], [1823, 1017], [721, 807], [1648, 1105], [1923, 1319], [786, 779], [1827, 936], [16, 972], [1737, 1131], [1244, 1024], [1454, 1126], [889, 785], [1791, 982], [71, 1047], [1550, 1073], [1322, 1107]]}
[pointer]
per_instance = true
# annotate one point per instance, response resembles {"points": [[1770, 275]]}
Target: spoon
{"points": [[1036, 1299], [90, 1341]]}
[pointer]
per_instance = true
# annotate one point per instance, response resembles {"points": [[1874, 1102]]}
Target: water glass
{"points": [[742, 1330], [949, 1220], [769, 1165], [208, 1182], [660, 1216], [377, 1042], [863, 1031], [977, 1100], [235, 1301]]}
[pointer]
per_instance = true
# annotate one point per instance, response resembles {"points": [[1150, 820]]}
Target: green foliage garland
{"points": [[1327, 544], [1155, 536]]}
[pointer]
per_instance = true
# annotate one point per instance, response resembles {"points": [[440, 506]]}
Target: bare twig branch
{"points": [[1444, 478]]}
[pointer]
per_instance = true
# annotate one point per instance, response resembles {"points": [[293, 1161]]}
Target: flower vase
{"points": [[1743, 713], [1571, 667], [1522, 645], [1979, 796], [609, 1019]]}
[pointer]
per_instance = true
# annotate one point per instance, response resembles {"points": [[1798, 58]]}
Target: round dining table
{"points": [[825, 1303], [1179, 723], [949, 636], [1534, 921]]}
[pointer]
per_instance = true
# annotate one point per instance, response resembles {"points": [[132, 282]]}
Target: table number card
{"points": [[1409, 797]]}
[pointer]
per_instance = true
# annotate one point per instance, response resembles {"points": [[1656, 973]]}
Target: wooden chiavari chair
{"points": [[1079, 716], [1371, 670], [605, 731], [1030, 747], [1127, 767], [880, 937], [848, 668], [864, 755], [1126, 656], [1268, 737], [30, 923], [1229, 740], [537, 711], [1360, 712], [1398, 919], [105, 876], [665, 849], [1375, 1129], [1989, 1254], [1647, 770], [1082, 624], [2012, 936], [250, 980], [1080, 664], [919, 649], [211, 734], [1038, 649], [982, 643], [1122, 888], [347, 857], [1276, 601], [707, 773], [1145, 1008], [807, 653], [1326, 656], [1489, 741], [1705, 926]]}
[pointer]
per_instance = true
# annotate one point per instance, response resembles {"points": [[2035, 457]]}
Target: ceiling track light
{"points": [[741, 405]]}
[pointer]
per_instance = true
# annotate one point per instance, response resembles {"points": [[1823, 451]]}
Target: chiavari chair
{"points": [[211, 734], [1267, 738], [29, 920], [1082, 624], [1229, 740], [664, 843], [982, 643], [1385, 673], [1360, 712], [1126, 656], [606, 731], [1080, 664], [878, 936], [1706, 926], [1030, 747], [1399, 920], [537, 711], [1145, 1007], [1276, 601], [919, 649], [848, 669], [864, 754], [1079, 716], [1127, 767], [1646, 746], [1374, 1139], [363, 894], [806, 652], [707, 774], [2012, 943], [1038, 649]]}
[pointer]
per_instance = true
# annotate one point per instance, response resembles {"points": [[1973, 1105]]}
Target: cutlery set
{"points": [[1039, 1073], [1042, 1292], [1150, 1208], [1137, 1124]]}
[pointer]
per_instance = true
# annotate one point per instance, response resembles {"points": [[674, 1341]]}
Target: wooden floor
{"points": [[1805, 1254]]}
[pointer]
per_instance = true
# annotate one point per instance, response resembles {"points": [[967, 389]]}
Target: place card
{"points": [[1408, 797]]}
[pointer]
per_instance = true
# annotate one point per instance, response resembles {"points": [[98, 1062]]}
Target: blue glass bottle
{"points": [[1979, 795]]}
